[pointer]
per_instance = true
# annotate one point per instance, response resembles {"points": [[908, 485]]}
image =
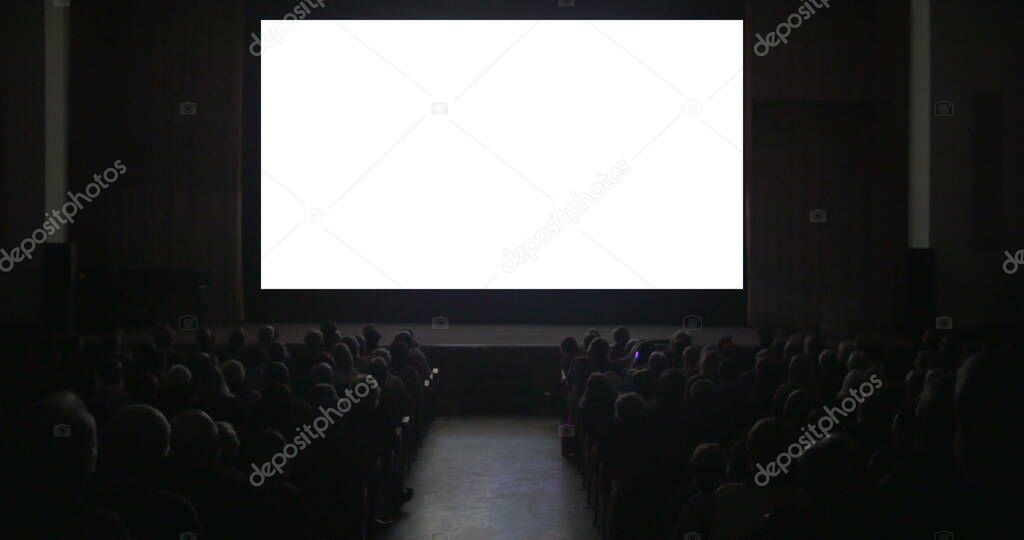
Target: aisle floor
{"points": [[494, 478]]}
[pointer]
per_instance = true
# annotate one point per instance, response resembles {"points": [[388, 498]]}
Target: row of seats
{"points": [[193, 438], [799, 439]]}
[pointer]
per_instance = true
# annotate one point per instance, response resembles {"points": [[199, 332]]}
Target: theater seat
{"points": [[740, 509]]}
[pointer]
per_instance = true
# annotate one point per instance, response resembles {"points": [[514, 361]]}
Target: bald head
{"points": [[178, 376], [321, 373], [266, 335], [234, 374], [138, 429], [137, 437], [194, 438], [323, 394], [54, 443], [701, 387], [766, 440], [986, 402]]}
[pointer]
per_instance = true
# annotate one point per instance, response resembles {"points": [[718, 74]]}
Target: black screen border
{"points": [[500, 306]]}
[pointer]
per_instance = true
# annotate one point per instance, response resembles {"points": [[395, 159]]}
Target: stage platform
{"points": [[505, 368], [495, 368], [481, 335]]}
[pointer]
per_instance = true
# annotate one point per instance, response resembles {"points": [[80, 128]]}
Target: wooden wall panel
{"points": [[178, 206], [977, 161], [22, 196], [827, 128], [842, 78]]}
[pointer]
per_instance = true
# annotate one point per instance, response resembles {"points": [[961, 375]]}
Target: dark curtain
{"points": [[178, 206], [827, 129]]}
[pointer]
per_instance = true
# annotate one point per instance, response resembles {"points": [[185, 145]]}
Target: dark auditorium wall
{"points": [[21, 155], [178, 206], [827, 126], [977, 196]]}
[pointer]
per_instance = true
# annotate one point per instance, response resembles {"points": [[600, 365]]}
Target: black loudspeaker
{"points": [[60, 273], [921, 289]]}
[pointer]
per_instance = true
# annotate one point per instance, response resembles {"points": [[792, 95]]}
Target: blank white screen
{"points": [[367, 183]]}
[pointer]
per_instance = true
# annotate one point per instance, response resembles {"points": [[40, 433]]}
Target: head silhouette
{"points": [[680, 340], [620, 335], [657, 362], [766, 440], [343, 359], [598, 352], [229, 443], [234, 375], [194, 441], [136, 441], [321, 373], [599, 391], [278, 373], [987, 445], [354, 344], [645, 383], [708, 466], [569, 347], [671, 388], [372, 337], [54, 446], [630, 410], [831, 468], [236, 340], [266, 335], [709, 363]]}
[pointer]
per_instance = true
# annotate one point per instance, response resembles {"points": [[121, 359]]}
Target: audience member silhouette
{"points": [[51, 452], [620, 336], [136, 444], [712, 439]]}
